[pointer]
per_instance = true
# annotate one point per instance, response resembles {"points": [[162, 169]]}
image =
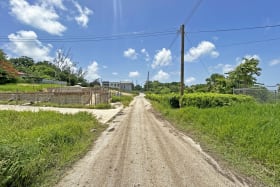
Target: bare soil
{"points": [[140, 149]]}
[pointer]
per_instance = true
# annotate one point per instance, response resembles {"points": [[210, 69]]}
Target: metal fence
{"points": [[264, 94], [88, 96]]}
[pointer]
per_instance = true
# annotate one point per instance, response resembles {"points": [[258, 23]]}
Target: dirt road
{"points": [[138, 149]]}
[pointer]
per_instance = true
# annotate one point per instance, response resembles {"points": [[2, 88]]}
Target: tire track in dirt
{"points": [[142, 150]]}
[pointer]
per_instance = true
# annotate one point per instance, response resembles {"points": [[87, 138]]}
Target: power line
{"points": [[248, 42], [185, 22], [203, 64], [234, 29], [133, 35], [192, 11], [174, 40]]}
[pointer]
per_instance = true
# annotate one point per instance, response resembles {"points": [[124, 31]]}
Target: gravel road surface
{"points": [[140, 149]]}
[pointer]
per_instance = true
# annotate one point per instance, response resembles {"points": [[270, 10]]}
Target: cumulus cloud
{"points": [[133, 74], [161, 76], [202, 49], [85, 12], [190, 80], [146, 54], [115, 73], [26, 43], [241, 60], [162, 58], [53, 4], [225, 68], [130, 53], [274, 62], [37, 16], [92, 71]]}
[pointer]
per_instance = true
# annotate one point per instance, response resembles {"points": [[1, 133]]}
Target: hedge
{"points": [[200, 100]]}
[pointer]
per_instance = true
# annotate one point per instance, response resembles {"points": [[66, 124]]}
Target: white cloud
{"points": [[115, 73], [255, 56], [225, 67], [37, 16], [241, 60], [85, 12], [202, 49], [162, 58], [130, 53], [26, 43], [146, 54], [53, 4], [190, 80], [161, 76], [92, 71], [274, 62], [133, 74]]}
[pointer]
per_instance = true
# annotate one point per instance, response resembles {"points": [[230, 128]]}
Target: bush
{"points": [[200, 100]]}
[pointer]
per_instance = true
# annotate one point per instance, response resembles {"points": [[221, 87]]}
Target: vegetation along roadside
{"points": [[35, 148], [246, 134]]}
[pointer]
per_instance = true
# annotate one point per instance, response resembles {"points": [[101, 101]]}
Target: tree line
{"points": [[243, 76], [25, 69]]}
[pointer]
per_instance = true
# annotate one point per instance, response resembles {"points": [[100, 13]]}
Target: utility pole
{"points": [[182, 86]]}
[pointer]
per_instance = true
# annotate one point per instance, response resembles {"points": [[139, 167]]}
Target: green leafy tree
{"points": [[23, 64], [3, 56], [244, 75], [217, 83]]}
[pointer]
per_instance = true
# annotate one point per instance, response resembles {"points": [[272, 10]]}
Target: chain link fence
{"points": [[263, 94]]}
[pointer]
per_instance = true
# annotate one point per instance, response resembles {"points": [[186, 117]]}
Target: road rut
{"points": [[139, 149]]}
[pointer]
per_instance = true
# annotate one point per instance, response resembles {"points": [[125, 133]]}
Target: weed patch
{"points": [[34, 147], [247, 135]]}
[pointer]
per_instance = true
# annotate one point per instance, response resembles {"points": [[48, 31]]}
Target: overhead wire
{"points": [[234, 29], [248, 42], [194, 9], [203, 64], [133, 35]]}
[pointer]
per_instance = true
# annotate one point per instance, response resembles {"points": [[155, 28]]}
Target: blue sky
{"points": [[119, 40]]}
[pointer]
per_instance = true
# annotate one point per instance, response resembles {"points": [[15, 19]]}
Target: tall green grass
{"points": [[247, 135], [25, 87], [124, 99], [35, 147]]}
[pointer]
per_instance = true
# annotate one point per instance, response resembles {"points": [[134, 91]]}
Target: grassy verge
{"points": [[36, 147], [26, 87], [247, 135], [124, 99]]}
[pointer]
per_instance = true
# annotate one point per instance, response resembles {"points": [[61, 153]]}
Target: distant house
{"points": [[106, 84], [126, 86], [122, 85]]}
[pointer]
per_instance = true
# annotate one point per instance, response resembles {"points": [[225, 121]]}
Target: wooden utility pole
{"points": [[182, 86]]}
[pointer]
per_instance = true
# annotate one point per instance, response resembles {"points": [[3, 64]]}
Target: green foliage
{"points": [[217, 83], [34, 147], [8, 74], [26, 87], [243, 75], [162, 88], [103, 106], [200, 100], [208, 100], [247, 134], [124, 99]]}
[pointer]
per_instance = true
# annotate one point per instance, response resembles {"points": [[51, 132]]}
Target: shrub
{"points": [[200, 100]]}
